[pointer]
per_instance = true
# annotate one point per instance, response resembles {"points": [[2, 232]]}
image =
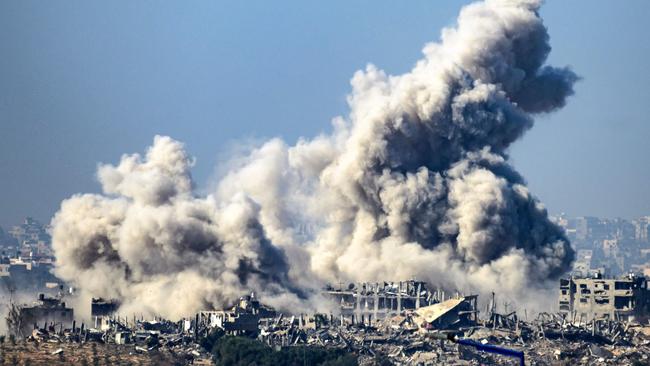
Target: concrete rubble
{"points": [[142, 337], [447, 332], [413, 337]]}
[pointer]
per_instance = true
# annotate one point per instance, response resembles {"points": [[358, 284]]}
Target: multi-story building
{"points": [[582, 264], [626, 298], [102, 307], [49, 311], [241, 319], [642, 229], [379, 300], [32, 238], [610, 247], [24, 274]]}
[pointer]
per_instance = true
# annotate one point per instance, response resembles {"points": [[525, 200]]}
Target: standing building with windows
{"points": [[626, 298]]}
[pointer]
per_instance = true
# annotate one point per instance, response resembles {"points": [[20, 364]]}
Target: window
{"points": [[564, 283], [622, 302], [618, 285]]}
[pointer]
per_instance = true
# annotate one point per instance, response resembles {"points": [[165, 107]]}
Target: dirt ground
{"points": [[34, 353]]}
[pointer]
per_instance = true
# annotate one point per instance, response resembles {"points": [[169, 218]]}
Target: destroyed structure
{"points": [[49, 311], [440, 331], [377, 300], [103, 307], [241, 319], [626, 298], [450, 314]]}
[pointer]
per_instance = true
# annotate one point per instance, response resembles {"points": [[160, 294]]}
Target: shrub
{"points": [[239, 351]]}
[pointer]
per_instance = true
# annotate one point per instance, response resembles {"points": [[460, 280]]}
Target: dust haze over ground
{"points": [[9, 296], [414, 182]]}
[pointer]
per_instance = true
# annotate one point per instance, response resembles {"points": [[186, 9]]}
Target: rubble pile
{"points": [[553, 337], [52, 352], [154, 339], [448, 332], [409, 339]]}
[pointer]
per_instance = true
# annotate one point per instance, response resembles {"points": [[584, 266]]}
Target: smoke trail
{"points": [[414, 183]]}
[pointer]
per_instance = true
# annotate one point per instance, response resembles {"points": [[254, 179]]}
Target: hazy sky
{"points": [[84, 82]]}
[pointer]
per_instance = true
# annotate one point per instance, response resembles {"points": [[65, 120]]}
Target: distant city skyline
{"points": [[83, 83]]}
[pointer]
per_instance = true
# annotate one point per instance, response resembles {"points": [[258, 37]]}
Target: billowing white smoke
{"points": [[159, 248], [414, 183]]}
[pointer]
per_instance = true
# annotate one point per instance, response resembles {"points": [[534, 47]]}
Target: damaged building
{"points": [[626, 298], [449, 314], [242, 319], [378, 300], [103, 307], [449, 332], [49, 311]]}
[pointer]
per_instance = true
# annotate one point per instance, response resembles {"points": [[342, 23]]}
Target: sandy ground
{"points": [[34, 353]]}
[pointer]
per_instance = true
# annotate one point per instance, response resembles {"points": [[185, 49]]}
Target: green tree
{"points": [[211, 339], [238, 351]]}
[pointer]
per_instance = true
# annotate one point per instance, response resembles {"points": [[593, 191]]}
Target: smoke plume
{"points": [[415, 182]]}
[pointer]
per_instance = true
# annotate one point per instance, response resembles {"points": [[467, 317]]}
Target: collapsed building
{"points": [[50, 311], [439, 330], [450, 314], [103, 307], [367, 300], [626, 298], [242, 319]]}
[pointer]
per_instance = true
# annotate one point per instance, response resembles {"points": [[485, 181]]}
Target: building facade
{"points": [[626, 298]]}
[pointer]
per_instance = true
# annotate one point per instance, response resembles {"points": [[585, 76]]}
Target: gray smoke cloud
{"points": [[150, 242], [415, 182]]}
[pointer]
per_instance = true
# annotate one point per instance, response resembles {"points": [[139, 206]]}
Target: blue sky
{"points": [[84, 82]]}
